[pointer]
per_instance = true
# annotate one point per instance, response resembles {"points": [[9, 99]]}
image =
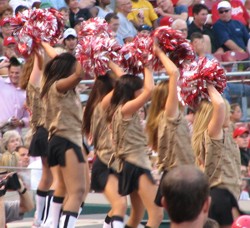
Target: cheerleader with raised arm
{"points": [[103, 178], [31, 81], [218, 156], [63, 106], [130, 144], [167, 127]]}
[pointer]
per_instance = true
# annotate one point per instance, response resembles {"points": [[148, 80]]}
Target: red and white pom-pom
{"points": [[35, 26], [94, 53], [182, 54], [134, 56], [168, 38], [94, 27], [194, 79]]}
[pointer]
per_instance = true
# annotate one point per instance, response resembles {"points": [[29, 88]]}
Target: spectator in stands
{"points": [[10, 141], [70, 40], [114, 23], [166, 8], [3, 3], [9, 50], [238, 12], [78, 22], [126, 30], [241, 137], [186, 200], [13, 113], [6, 11], [65, 12], [28, 3], [199, 45], [9, 44], [86, 4], [235, 116], [5, 27], [231, 34], [76, 12], [23, 155], [101, 8], [180, 25], [143, 13], [20, 9], [14, 210], [200, 15], [244, 195], [236, 112]]}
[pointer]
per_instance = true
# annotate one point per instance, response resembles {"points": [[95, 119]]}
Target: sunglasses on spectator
{"points": [[244, 136], [223, 11]]}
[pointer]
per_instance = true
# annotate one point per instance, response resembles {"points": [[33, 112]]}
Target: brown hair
{"points": [[26, 72]]}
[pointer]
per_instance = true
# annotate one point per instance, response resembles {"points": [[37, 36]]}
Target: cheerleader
{"points": [[31, 80], [130, 144], [63, 107], [218, 156], [96, 127], [167, 128]]}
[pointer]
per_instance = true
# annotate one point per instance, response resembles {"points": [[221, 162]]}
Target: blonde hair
{"points": [[9, 159], [7, 136], [159, 97], [202, 118]]}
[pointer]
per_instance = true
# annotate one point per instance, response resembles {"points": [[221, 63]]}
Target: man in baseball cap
{"points": [[224, 4], [70, 40], [241, 137], [9, 41], [6, 27], [9, 48]]}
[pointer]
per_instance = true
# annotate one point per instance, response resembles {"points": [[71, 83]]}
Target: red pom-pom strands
{"points": [[96, 46], [172, 43], [94, 27], [194, 79], [33, 26], [137, 54], [182, 54], [168, 38], [94, 53]]}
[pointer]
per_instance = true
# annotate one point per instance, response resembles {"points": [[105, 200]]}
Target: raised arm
{"points": [[65, 84], [219, 111], [118, 72], [116, 69], [49, 50], [172, 102], [133, 106], [36, 74]]}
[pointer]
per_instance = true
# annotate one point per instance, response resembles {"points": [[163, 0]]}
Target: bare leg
{"points": [[137, 210], [147, 191], [118, 202], [74, 181]]}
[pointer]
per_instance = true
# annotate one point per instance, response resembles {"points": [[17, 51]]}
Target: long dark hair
{"points": [[102, 86], [60, 67], [124, 91]]}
